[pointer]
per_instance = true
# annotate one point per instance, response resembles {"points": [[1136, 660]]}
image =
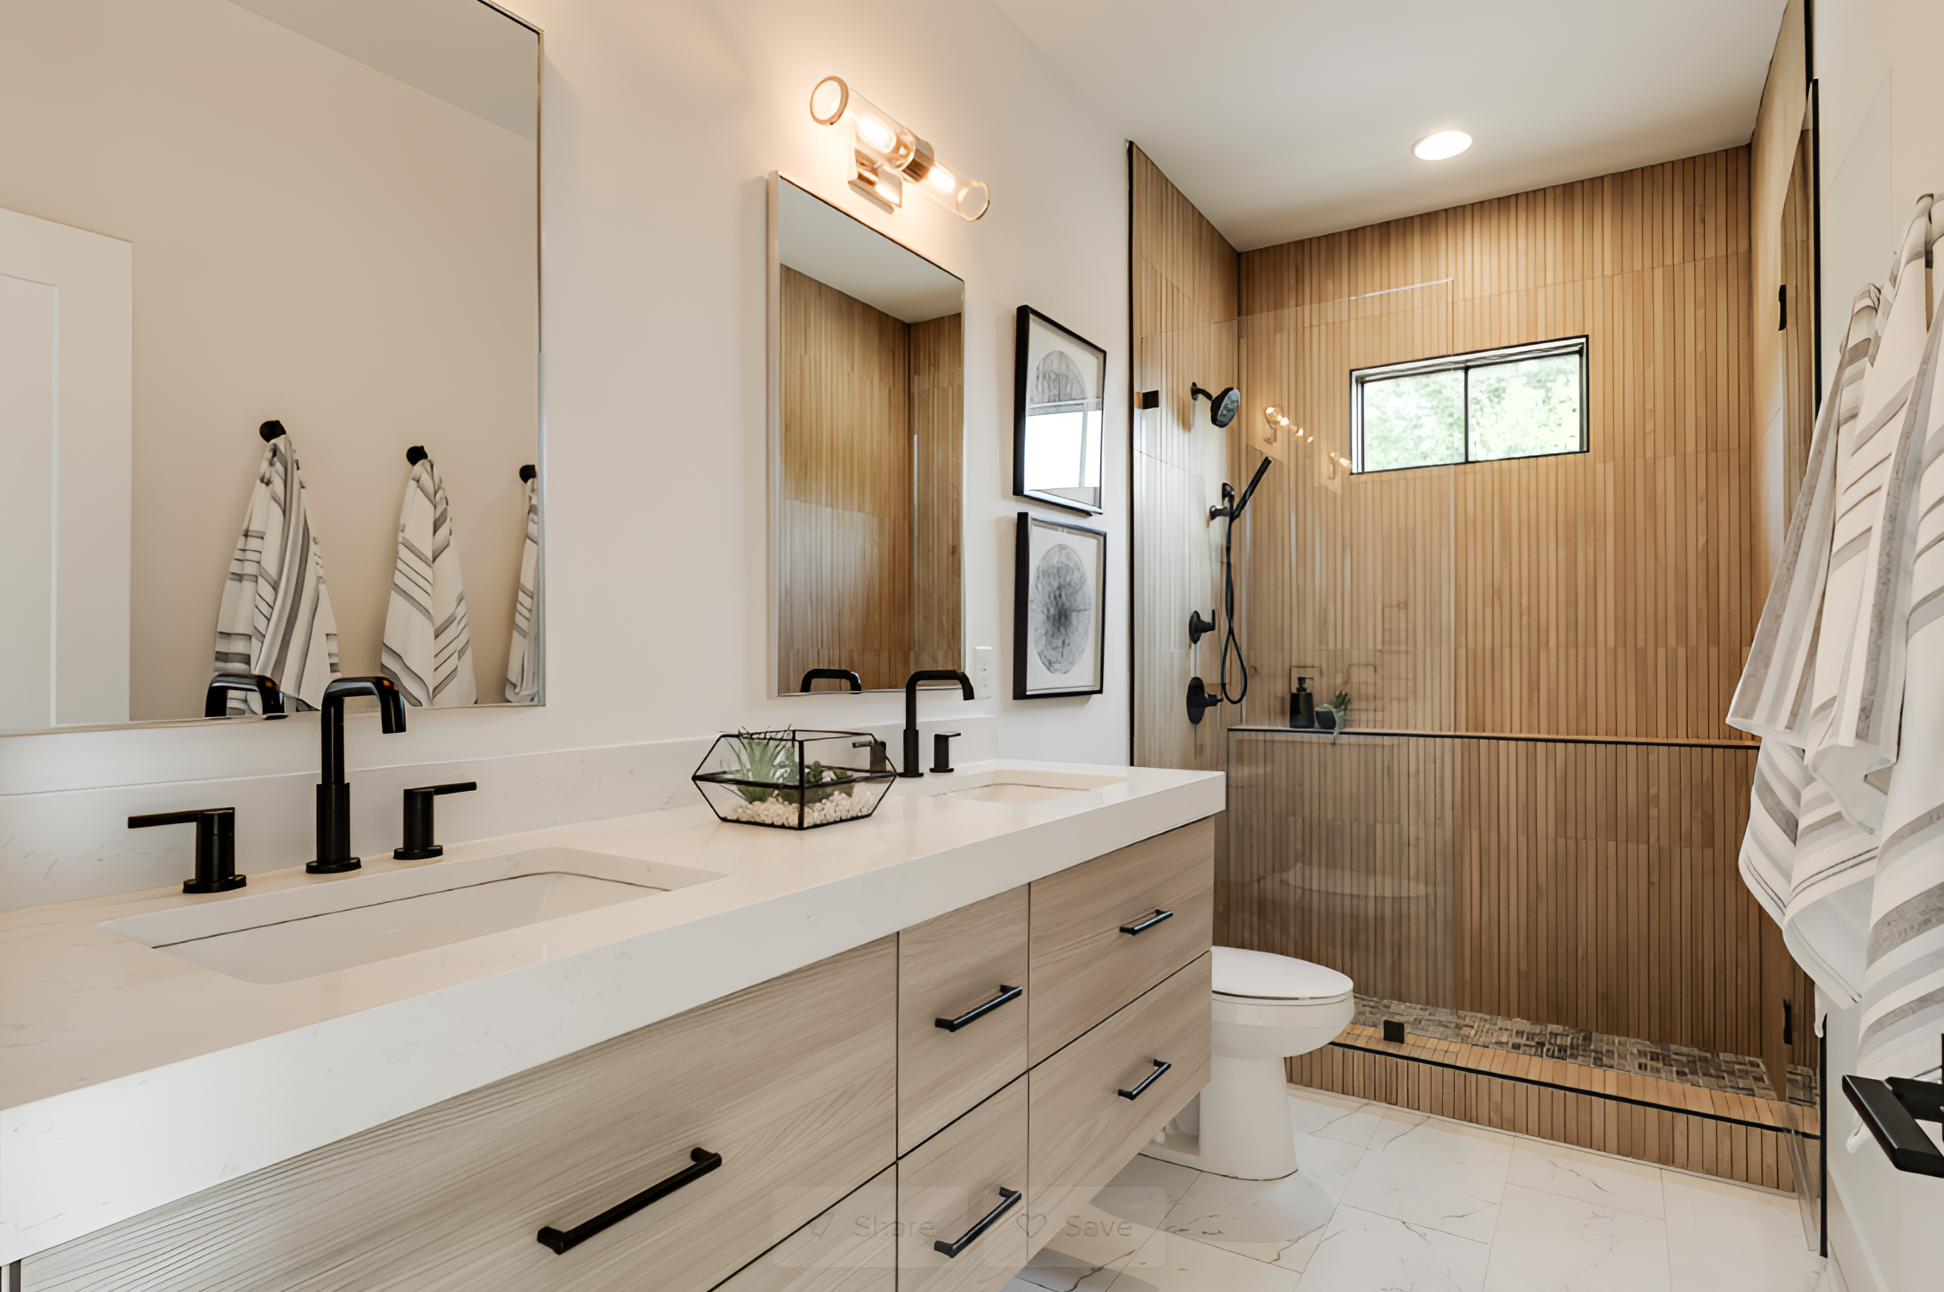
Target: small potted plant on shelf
{"points": [[1334, 716], [794, 780]]}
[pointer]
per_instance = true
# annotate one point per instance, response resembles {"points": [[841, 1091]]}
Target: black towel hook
{"points": [[527, 473], [270, 430], [416, 454]]}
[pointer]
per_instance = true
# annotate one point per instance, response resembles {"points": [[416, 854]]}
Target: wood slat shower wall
{"points": [[1606, 596], [1184, 285], [1609, 593], [1588, 884]]}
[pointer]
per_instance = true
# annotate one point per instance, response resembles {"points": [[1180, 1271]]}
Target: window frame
{"points": [[1577, 346]]}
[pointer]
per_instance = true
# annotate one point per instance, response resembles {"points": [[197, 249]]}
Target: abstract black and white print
{"points": [[1061, 609], [1057, 639]]}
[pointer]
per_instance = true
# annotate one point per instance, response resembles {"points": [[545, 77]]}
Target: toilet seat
{"points": [[1263, 978]]}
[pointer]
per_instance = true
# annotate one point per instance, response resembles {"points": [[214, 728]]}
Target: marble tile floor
{"points": [[1740, 1074], [1389, 1200]]}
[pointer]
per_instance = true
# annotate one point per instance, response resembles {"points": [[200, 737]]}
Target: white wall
{"points": [[660, 122], [1881, 83]]}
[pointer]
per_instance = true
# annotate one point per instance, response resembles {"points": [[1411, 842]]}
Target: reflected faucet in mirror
{"points": [[911, 767], [270, 699], [333, 792], [844, 675]]}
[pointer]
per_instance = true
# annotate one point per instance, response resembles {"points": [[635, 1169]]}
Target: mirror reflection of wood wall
{"points": [[870, 506], [1797, 315]]}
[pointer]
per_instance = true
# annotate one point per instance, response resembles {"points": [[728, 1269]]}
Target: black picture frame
{"points": [[1069, 576], [1036, 337]]}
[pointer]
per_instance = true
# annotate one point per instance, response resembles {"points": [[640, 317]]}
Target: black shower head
{"points": [[1222, 405]]}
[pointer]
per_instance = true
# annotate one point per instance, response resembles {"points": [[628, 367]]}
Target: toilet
{"points": [[1266, 1007]]}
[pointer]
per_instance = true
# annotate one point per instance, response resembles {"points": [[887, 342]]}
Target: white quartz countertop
{"points": [[130, 1077]]}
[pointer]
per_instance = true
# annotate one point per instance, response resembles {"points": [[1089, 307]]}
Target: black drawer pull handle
{"points": [[1152, 920], [977, 1012], [1011, 1199], [560, 1240], [1150, 1079]]}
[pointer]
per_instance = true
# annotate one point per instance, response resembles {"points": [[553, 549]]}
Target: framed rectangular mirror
{"points": [[220, 214], [866, 452]]}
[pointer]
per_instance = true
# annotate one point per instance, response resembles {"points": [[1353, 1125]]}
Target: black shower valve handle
{"points": [[418, 845]]}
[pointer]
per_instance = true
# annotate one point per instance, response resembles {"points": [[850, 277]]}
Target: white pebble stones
{"points": [[780, 811]]}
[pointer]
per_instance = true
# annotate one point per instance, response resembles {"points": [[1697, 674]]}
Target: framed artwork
{"points": [[1058, 380], [1059, 609]]}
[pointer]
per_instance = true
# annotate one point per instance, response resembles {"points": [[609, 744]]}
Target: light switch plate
{"points": [[982, 671]]}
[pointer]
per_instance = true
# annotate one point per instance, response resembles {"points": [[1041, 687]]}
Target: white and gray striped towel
{"points": [[276, 614], [1903, 994], [523, 653], [428, 645], [1845, 844]]}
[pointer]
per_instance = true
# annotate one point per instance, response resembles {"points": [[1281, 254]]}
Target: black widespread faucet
{"points": [[911, 766], [333, 794]]}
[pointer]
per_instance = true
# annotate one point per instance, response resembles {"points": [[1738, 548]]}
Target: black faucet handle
{"points": [[418, 845], [216, 698], [215, 846], [942, 750]]}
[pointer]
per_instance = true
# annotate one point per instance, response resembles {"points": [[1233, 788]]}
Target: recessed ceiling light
{"points": [[1446, 143]]}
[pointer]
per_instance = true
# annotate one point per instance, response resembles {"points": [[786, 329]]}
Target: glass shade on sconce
{"points": [[890, 154]]}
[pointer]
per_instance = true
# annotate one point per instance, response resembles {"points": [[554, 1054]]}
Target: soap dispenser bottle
{"points": [[1302, 706]]}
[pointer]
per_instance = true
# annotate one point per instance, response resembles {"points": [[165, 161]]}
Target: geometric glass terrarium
{"points": [[794, 780]]}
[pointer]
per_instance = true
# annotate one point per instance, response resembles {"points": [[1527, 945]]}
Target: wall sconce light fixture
{"points": [[1277, 424], [890, 155]]}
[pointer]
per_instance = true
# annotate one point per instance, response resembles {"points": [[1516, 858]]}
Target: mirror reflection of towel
{"points": [[428, 645], [523, 654], [276, 616]]}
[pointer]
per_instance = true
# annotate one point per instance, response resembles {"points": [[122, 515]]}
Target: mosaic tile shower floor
{"points": [[1739, 1074]]}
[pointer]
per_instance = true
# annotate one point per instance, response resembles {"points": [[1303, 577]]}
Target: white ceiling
{"points": [[1281, 119]]}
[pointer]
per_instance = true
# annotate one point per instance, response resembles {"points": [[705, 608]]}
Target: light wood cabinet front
{"points": [[1105, 931], [969, 968], [792, 1082], [948, 1192], [853, 1247], [1091, 1111]]}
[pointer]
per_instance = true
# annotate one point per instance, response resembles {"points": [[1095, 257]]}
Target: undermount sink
{"points": [[299, 933], [1019, 785]]}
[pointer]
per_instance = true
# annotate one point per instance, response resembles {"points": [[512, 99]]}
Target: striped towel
{"points": [[523, 654], [428, 646], [276, 616], [1801, 858], [1903, 998]]}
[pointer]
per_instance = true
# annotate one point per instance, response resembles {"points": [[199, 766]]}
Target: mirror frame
{"points": [[773, 443], [539, 429]]}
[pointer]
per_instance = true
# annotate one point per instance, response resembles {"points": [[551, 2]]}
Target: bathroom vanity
{"points": [[895, 1053]]}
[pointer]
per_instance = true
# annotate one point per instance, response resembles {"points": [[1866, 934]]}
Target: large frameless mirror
{"points": [[866, 410], [269, 355]]}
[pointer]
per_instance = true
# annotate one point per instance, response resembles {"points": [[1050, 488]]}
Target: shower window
{"points": [[1518, 402]]}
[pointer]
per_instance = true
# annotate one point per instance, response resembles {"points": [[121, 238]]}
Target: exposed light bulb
{"points": [[942, 180], [1443, 144], [876, 134]]}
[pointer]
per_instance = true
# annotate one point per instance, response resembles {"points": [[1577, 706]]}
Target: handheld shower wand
{"points": [[1200, 698]]}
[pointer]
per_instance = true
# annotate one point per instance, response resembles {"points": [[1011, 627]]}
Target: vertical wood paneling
{"points": [[871, 411], [1185, 285], [937, 416]]}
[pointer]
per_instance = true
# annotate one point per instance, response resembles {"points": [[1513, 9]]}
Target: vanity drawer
{"points": [[791, 1082], [853, 1247], [949, 968], [948, 1190], [1083, 1128], [1084, 965]]}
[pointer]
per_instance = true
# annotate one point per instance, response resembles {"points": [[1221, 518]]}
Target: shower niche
{"points": [[866, 399]]}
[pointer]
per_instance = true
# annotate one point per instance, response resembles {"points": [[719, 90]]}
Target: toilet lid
{"points": [[1261, 975]]}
